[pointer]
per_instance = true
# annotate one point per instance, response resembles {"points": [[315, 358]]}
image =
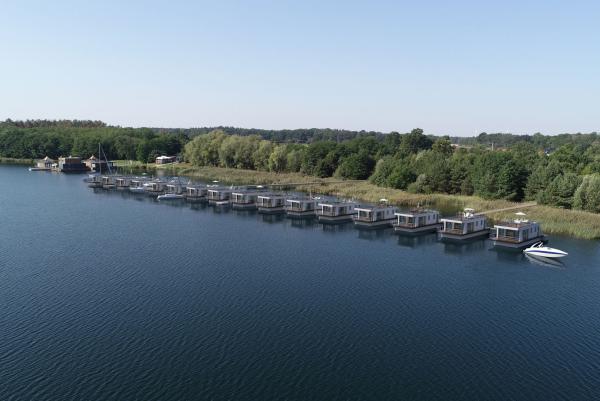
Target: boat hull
{"points": [[464, 237], [431, 228]]}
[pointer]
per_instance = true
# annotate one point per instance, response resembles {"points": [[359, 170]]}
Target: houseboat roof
{"points": [[338, 203], [376, 208], [517, 223], [271, 196], [416, 212], [47, 159], [300, 199]]}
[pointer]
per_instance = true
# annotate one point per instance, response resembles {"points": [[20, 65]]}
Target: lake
{"points": [[109, 296]]}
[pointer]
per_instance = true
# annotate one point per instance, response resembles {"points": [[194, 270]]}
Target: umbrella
{"points": [[521, 214]]}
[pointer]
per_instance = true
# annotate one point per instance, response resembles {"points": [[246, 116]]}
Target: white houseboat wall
{"points": [[336, 212], [271, 203], [109, 181], [519, 233], [244, 199], [123, 182], [219, 196], [175, 188], [375, 216], [417, 221], [467, 225], [136, 185], [196, 193], [154, 188], [301, 207]]}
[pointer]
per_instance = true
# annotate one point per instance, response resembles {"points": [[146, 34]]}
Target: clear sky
{"points": [[449, 67]]}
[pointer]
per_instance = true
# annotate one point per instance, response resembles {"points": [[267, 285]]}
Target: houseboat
{"points": [[467, 225], [417, 221], [218, 196], [336, 211], [196, 193], [109, 181], [71, 164], [301, 207], [43, 165], [270, 203], [98, 165], [175, 188], [94, 181], [375, 216], [136, 185], [123, 182], [519, 233], [155, 188], [244, 199]]}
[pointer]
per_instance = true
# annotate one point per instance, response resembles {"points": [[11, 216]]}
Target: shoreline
{"points": [[554, 221]]}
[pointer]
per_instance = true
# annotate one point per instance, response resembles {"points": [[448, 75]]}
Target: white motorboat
{"points": [[540, 250], [169, 197]]}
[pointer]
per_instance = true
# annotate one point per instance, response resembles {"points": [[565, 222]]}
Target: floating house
{"points": [[109, 181], [94, 181], [245, 199], [98, 165], [375, 216], [336, 211], [301, 207], [219, 196], [467, 225], [156, 187], [519, 233], [123, 182], [136, 185], [71, 164], [270, 203], [417, 221], [196, 193], [176, 188], [44, 164]]}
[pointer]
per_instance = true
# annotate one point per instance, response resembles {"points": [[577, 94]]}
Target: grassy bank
{"points": [[10, 160], [555, 221]]}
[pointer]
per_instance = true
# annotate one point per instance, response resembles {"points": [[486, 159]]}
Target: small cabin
{"points": [[98, 165], [218, 196], [45, 164], [165, 159], [123, 182], [244, 199], [155, 187], [71, 164], [109, 181], [196, 192], [301, 207], [137, 184], [466, 225], [94, 181], [518, 233], [176, 188], [336, 211], [417, 221], [375, 216], [270, 203]]}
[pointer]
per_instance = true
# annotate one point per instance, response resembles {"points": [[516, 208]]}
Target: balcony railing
{"points": [[505, 238]]}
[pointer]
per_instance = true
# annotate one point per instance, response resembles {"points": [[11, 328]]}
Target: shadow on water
{"points": [[272, 218], [337, 227], [303, 223], [457, 247], [244, 213], [413, 241], [374, 235], [199, 206]]}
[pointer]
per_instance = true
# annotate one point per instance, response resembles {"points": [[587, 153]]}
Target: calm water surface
{"points": [[106, 296]]}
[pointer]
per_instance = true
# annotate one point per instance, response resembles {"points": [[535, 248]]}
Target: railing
{"points": [[406, 225], [298, 209], [452, 231], [505, 238], [364, 219]]}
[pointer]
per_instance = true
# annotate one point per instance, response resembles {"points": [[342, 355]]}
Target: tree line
{"points": [[141, 144], [567, 177]]}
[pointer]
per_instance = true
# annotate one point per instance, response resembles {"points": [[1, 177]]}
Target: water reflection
{"points": [[375, 235], [545, 262], [302, 223], [273, 218], [412, 241], [338, 227], [456, 247]]}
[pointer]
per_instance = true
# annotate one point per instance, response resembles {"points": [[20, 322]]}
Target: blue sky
{"points": [[457, 68]]}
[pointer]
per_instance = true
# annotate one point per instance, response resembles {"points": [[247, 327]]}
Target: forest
{"points": [[567, 176], [561, 170]]}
